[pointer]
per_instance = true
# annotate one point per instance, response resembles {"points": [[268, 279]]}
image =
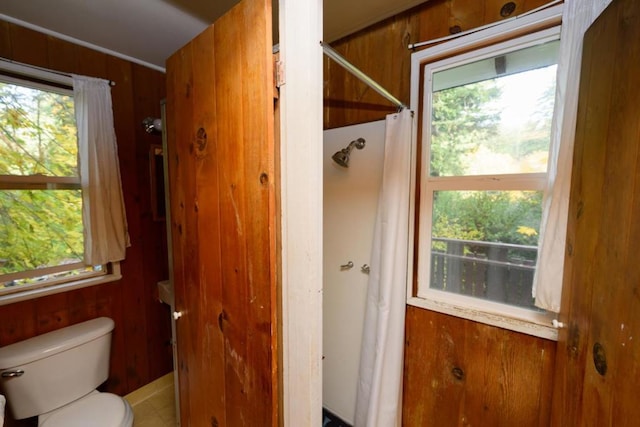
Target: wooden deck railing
{"points": [[499, 272]]}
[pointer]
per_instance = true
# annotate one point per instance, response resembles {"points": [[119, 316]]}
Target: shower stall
{"points": [[351, 187]]}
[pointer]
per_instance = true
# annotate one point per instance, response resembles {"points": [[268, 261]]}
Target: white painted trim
{"points": [[490, 42], [539, 325], [62, 287], [419, 45], [79, 42], [39, 182], [530, 23], [301, 197], [41, 272], [37, 72], [40, 179], [514, 182]]}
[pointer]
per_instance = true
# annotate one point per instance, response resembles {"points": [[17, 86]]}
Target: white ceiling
{"points": [[149, 31]]}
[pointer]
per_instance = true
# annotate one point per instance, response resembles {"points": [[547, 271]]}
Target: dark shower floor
{"points": [[331, 420]]}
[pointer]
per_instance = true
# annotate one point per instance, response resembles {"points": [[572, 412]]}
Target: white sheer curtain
{"points": [[378, 401], [577, 16], [103, 213]]}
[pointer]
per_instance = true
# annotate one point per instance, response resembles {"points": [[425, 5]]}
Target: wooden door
{"points": [[221, 170], [598, 369]]}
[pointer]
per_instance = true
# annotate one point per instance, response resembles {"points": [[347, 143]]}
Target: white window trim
{"points": [[42, 182], [24, 274], [507, 182], [479, 310], [32, 71], [112, 270], [527, 24], [32, 292]]}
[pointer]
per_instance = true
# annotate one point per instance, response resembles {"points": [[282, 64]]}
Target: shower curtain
{"points": [[378, 402]]}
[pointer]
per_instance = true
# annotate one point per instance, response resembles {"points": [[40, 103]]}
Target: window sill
{"points": [[28, 294], [496, 318]]}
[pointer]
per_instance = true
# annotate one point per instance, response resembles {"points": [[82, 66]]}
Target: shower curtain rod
{"points": [[413, 46], [328, 50]]}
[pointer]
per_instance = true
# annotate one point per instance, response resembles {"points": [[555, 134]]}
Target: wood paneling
{"points": [[463, 373], [503, 378], [28, 46], [141, 349], [381, 51], [598, 374], [5, 39], [222, 185]]}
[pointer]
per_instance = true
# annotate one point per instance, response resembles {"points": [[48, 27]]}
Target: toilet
{"points": [[54, 376]]}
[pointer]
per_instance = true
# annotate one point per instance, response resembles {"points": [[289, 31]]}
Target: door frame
{"points": [[300, 28]]}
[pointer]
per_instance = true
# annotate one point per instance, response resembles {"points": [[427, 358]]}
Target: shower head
{"points": [[152, 125], [342, 157]]}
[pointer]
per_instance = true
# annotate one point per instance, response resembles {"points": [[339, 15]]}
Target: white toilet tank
{"points": [[48, 371]]}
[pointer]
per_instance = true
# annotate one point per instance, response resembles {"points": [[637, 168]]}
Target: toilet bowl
{"points": [[94, 410], [55, 375]]}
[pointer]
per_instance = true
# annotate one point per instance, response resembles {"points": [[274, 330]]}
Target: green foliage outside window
{"points": [[39, 227], [462, 120], [469, 137]]}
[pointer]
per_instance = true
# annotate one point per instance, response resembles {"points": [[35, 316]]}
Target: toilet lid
{"points": [[95, 410]]}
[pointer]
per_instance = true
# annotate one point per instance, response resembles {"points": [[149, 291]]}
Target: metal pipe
{"points": [[328, 50]]}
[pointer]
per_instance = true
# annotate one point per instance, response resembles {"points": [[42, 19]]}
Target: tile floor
{"points": [[154, 404]]}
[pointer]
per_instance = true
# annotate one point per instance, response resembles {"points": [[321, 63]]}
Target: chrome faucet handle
{"points": [[347, 266], [12, 373]]}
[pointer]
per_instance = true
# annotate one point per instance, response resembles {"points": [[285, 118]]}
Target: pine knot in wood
{"points": [[599, 359], [507, 9], [458, 373], [201, 142]]}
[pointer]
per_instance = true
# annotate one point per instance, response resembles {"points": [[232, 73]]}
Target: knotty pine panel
{"points": [[573, 350], [191, 95], [598, 352], [222, 175], [464, 373], [5, 40], [141, 349], [381, 51]]}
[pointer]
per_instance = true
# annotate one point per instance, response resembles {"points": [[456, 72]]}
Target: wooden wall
{"points": [[463, 373], [597, 369], [381, 52], [457, 372], [141, 350]]}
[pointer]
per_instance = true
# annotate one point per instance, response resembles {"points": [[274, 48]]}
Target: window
{"points": [[41, 225], [484, 144]]}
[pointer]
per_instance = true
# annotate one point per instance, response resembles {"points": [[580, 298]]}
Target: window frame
{"points": [[41, 79], [514, 34]]}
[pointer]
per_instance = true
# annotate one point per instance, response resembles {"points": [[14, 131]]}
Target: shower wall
{"points": [[350, 203]]}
